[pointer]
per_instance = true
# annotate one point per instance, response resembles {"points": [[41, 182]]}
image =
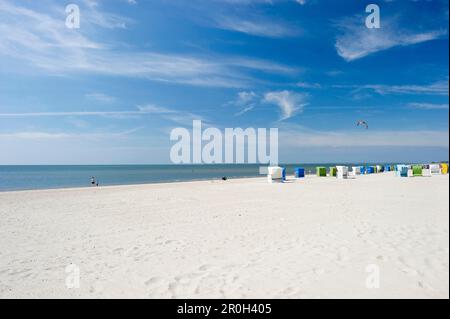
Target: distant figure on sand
{"points": [[94, 182]]}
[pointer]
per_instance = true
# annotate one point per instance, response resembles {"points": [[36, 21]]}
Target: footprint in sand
{"points": [[153, 281], [204, 267], [118, 250], [318, 271], [410, 271], [288, 291], [406, 268], [343, 254]]}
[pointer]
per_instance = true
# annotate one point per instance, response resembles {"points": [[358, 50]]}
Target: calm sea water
{"points": [[47, 177]]}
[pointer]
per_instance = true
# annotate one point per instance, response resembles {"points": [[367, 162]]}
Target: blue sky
{"points": [[111, 91]]}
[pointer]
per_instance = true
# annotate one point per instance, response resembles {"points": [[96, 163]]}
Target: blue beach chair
{"points": [[299, 172]]}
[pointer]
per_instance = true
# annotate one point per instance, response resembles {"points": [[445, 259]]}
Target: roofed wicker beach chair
{"points": [[342, 172], [275, 174], [321, 171]]}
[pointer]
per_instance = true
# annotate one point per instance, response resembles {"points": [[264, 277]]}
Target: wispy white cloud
{"points": [[296, 136], [245, 100], [40, 32], [45, 43], [140, 110], [63, 114], [245, 110], [436, 88], [306, 85], [173, 115], [100, 97], [288, 102], [356, 41], [94, 13], [179, 117], [257, 26], [41, 135], [152, 108], [428, 106]]}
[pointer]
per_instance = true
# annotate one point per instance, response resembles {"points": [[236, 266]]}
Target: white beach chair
{"points": [[426, 172], [342, 172], [275, 174], [356, 170], [410, 173], [435, 169]]}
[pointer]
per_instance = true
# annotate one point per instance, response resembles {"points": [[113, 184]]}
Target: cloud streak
{"points": [[45, 43], [257, 27], [179, 117], [436, 88], [38, 135], [63, 114], [428, 106], [288, 102], [356, 41], [245, 100], [300, 137], [100, 97]]}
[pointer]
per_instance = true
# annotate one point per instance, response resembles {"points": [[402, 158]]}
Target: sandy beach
{"points": [[244, 238]]}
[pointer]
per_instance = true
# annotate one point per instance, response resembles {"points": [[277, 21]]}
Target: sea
{"points": [[13, 178]]}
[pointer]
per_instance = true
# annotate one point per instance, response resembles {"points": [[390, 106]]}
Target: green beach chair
{"points": [[321, 171], [333, 171], [417, 170]]}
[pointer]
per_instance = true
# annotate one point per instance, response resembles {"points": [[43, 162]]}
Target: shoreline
{"points": [[229, 179], [28, 178], [131, 185]]}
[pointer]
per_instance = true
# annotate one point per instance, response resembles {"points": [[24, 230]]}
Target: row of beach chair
{"points": [[278, 174], [425, 170]]}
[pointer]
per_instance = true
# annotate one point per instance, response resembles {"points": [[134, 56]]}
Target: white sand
{"points": [[236, 239]]}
